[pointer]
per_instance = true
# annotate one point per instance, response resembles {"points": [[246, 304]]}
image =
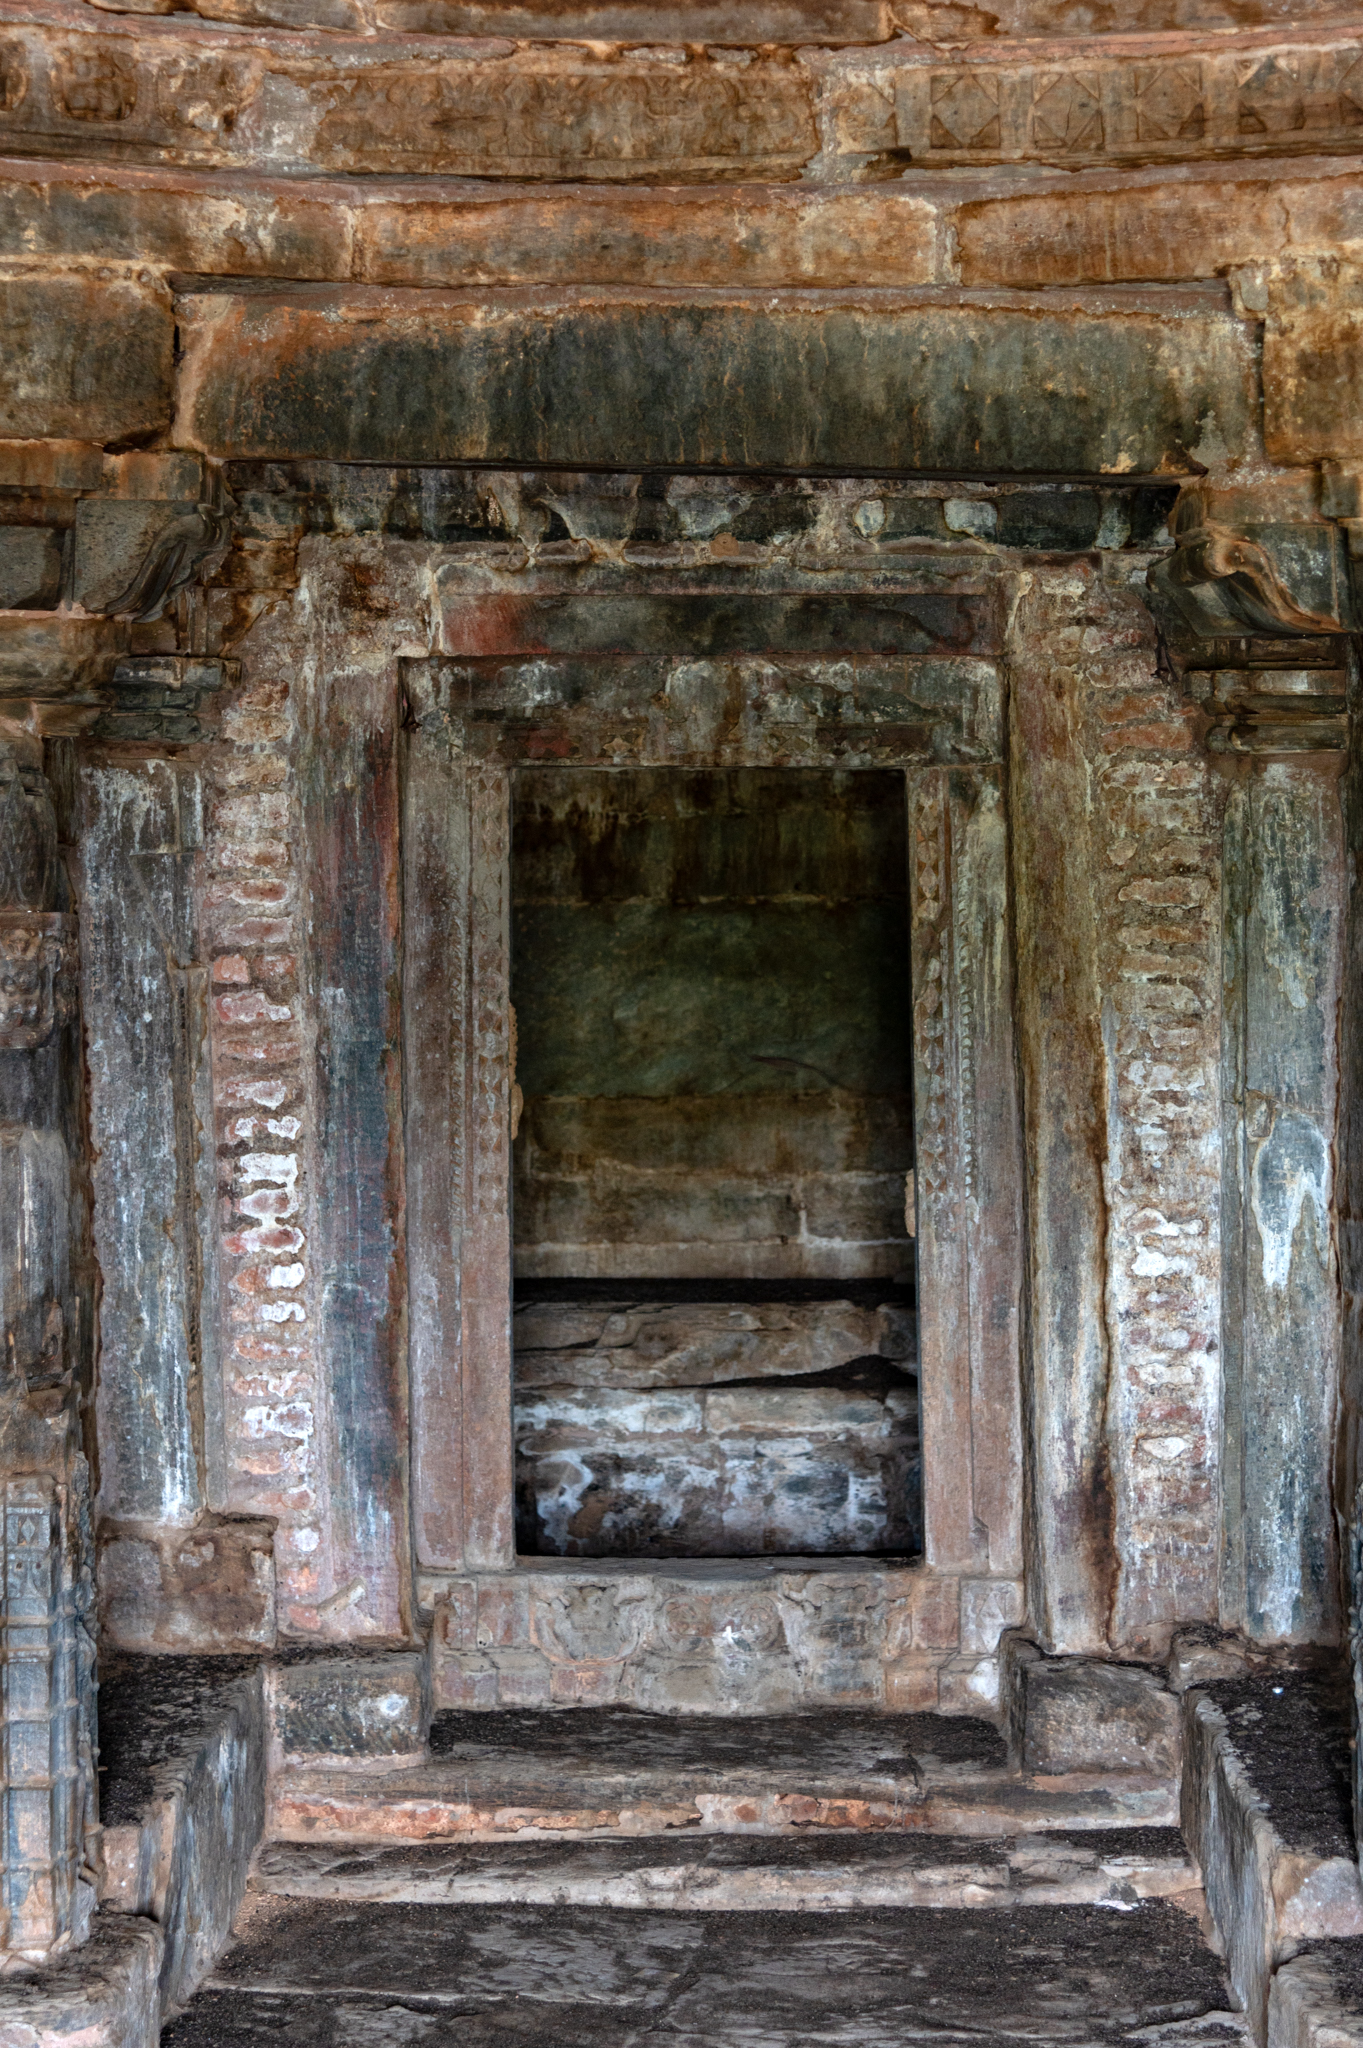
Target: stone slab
{"points": [[1082, 1715], [398, 1973], [349, 1708], [185, 220], [1157, 225], [52, 654], [953, 383], [1313, 2001], [720, 1471], [738, 1636], [84, 356], [635, 1343], [743, 1873], [530, 1775]]}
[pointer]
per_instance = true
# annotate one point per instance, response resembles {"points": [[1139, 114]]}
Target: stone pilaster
{"points": [[46, 1653], [1257, 608]]}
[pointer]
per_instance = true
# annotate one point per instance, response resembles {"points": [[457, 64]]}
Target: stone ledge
{"points": [[1263, 1897], [186, 1805], [102, 1995], [1306, 2009]]}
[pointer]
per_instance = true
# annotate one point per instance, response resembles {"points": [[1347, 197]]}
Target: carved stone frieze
{"points": [[597, 110], [1172, 98]]}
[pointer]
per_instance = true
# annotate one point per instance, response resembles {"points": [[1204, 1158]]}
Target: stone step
{"points": [[318, 1973], [737, 1873], [605, 1772]]}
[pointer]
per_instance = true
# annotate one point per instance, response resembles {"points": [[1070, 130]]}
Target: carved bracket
{"points": [[1256, 609]]}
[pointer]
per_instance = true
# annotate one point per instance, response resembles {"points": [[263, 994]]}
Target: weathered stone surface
{"points": [[1283, 849], [691, 1344], [55, 655], [1082, 1715], [183, 1807], [349, 1708], [145, 998], [349, 887], [1313, 2000], [1313, 361], [1158, 225], [316, 1973], [30, 567], [725, 1471], [1100, 384], [209, 1588], [190, 221], [630, 21], [1265, 1896], [103, 1995], [710, 1037], [745, 1873], [693, 236], [84, 357], [223, 223]]}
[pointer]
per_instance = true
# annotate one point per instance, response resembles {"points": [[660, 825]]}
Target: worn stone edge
{"points": [[1256, 1888]]}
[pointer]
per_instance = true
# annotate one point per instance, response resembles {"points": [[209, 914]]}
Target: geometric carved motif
{"points": [[1284, 96], [1170, 103], [932, 1148], [1067, 111], [965, 111]]}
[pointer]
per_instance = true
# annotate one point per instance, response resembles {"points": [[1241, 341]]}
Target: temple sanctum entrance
{"points": [[679, 1048], [714, 1337]]}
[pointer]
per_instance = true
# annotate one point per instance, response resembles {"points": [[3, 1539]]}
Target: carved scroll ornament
{"points": [[183, 553], [1217, 583]]}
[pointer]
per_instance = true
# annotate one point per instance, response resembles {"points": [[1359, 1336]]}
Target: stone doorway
{"points": [[714, 1332], [653, 664]]}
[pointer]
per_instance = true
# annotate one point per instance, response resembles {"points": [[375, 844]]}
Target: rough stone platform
{"points": [[394, 1976]]}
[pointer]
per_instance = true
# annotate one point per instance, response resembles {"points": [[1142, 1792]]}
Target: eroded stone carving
{"points": [[1256, 607], [184, 552], [37, 976]]}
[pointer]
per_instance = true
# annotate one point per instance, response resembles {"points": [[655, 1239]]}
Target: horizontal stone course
{"points": [[1106, 384], [639, 110]]}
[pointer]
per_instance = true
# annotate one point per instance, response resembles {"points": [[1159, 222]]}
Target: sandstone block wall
{"points": [[395, 390]]}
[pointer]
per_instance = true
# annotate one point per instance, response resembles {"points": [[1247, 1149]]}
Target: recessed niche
{"points": [[715, 1339]]}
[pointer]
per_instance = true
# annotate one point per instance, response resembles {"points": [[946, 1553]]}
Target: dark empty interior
{"points": [[715, 1339]]}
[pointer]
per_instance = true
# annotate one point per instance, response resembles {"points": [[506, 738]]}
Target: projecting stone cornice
{"points": [[81, 83]]}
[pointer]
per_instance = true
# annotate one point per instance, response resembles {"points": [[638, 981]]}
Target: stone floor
{"points": [[328, 1974]]}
